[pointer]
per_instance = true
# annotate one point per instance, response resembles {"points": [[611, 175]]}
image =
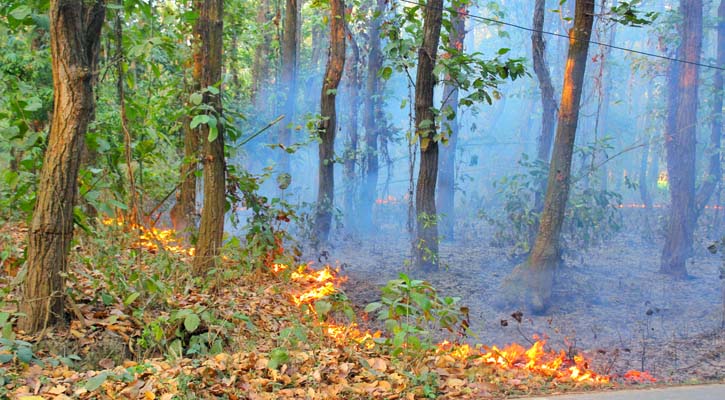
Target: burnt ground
{"points": [[609, 301]]}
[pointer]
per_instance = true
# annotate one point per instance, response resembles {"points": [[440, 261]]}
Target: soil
{"points": [[609, 300]]}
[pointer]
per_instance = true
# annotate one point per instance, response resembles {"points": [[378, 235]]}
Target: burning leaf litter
{"points": [[335, 361]]}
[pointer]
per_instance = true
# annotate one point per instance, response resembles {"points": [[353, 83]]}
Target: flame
{"points": [[639, 376], [151, 238], [535, 359]]}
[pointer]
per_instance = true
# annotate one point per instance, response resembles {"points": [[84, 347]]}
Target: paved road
{"points": [[704, 392]]}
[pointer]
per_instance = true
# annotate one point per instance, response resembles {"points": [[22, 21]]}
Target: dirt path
{"points": [[704, 392]]}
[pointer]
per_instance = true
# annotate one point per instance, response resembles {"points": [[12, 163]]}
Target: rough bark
{"points": [[425, 245], [714, 169], [680, 142], [328, 124], [372, 126], [447, 183], [211, 227], [351, 144], [75, 31], [534, 279]]}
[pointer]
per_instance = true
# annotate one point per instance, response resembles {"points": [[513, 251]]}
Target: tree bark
{"points": [[211, 227], [714, 169], [425, 245], [372, 130], [328, 124], [75, 31], [447, 183], [535, 278], [289, 80], [260, 70], [680, 142], [352, 132]]}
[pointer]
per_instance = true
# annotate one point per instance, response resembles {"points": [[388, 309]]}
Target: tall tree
{"points": [[680, 142], [425, 245], [372, 103], [289, 79], [548, 103], [75, 32], [328, 123], [447, 183], [714, 169], [208, 61], [351, 142], [260, 68], [534, 278]]}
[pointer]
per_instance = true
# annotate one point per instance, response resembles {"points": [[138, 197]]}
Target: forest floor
{"points": [[140, 327], [609, 301]]}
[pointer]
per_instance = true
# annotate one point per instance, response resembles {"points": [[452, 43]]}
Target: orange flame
{"points": [[151, 238]]}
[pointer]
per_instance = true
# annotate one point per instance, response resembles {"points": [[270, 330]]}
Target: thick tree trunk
{"points": [[447, 183], [328, 125], [372, 125], [425, 245], [680, 142], [352, 133], [534, 279], [75, 32], [211, 228], [289, 81], [548, 103], [714, 169]]}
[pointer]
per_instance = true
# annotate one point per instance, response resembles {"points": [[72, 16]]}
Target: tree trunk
{"points": [[680, 142], [352, 132], [535, 277], [548, 104], [209, 51], [260, 70], [132, 214], [425, 245], [714, 169], [184, 217], [75, 32], [447, 183], [372, 129], [328, 124], [289, 81]]}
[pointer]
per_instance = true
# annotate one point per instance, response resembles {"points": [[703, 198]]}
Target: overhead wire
{"points": [[526, 28]]}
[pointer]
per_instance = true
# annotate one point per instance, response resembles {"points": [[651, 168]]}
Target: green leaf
{"points": [[21, 12], [131, 298], [96, 382], [196, 98], [213, 131], [372, 307], [322, 308], [277, 357], [386, 73], [191, 322], [24, 354], [421, 300], [199, 119]]}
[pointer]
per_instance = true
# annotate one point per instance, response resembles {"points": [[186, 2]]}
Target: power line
{"points": [[526, 28]]}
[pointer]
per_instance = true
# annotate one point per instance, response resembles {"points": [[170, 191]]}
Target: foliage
{"points": [[411, 309], [592, 213]]}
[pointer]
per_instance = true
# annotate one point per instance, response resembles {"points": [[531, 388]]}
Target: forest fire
{"points": [[534, 359], [153, 238], [322, 283]]}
